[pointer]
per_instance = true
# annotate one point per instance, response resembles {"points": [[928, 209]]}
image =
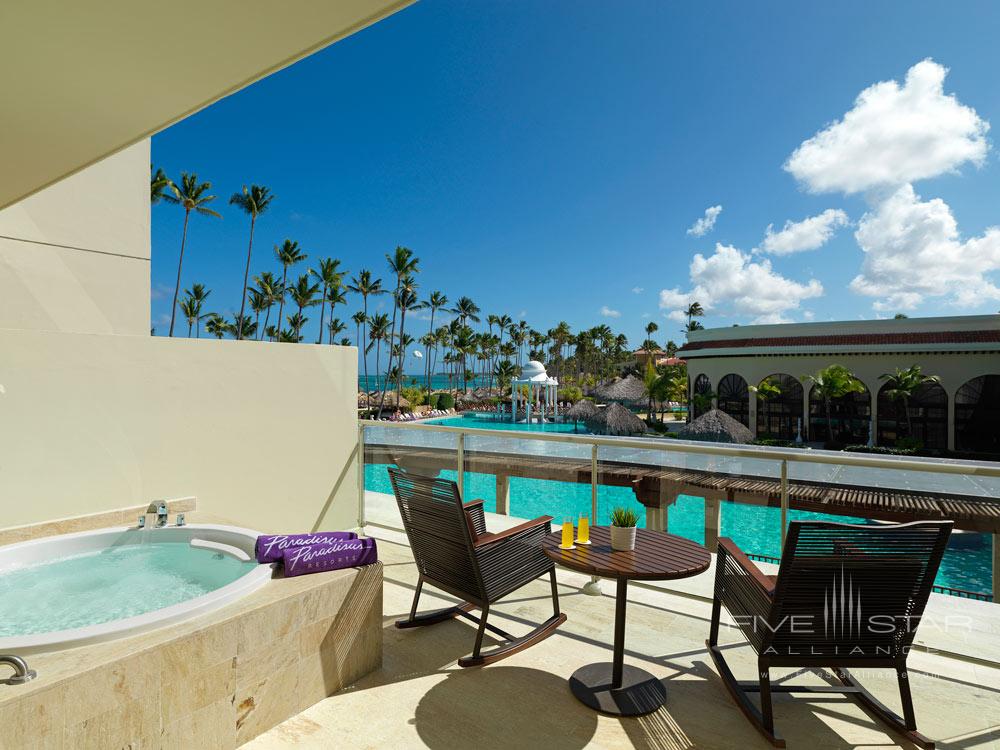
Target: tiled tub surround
{"points": [[214, 681]]}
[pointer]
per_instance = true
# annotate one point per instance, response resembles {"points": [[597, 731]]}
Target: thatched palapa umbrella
{"points": [[616, 420], [390, 401], [582, 411], [716, 426], [627, 390]]}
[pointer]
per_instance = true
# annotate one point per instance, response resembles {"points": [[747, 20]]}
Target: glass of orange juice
{"points": [[567, 533], [583, 529]]}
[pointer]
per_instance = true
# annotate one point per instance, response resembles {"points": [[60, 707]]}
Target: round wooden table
{"points": [[616, 688]]}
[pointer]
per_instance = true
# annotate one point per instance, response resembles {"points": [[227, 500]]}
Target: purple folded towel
{"points": [[270, 546], [346, 553]]}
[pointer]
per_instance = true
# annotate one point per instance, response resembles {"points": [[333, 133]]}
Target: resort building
{"points": [[146, 480], [959, 413]]}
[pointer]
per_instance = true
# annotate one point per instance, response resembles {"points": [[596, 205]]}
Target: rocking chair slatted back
{"points": [[846, 590], [439, 533]]}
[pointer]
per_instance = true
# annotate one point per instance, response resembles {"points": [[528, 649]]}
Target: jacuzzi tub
{"points": [[76, 589]]}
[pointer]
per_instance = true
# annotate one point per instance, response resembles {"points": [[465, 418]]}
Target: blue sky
{"points": [[548, 160]]}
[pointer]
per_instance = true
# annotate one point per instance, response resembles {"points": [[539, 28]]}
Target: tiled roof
{"points": [[859, 339]]}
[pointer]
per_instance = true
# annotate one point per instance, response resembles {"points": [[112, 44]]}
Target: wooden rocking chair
{"points": [[845, 596], [455, 553]]}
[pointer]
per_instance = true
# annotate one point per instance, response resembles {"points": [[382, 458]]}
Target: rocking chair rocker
{"points": [[456, 554], [845, 596]]}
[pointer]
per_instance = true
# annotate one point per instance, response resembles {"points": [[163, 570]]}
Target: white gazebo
{"points": [[542, 392]]}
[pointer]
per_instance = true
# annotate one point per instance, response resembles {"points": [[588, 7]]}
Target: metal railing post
{"points": [[361, 479], [593, 588], [784, 502], [460, 462]]}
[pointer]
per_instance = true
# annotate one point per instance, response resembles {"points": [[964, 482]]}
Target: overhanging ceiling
{"points": [[82, 80]]}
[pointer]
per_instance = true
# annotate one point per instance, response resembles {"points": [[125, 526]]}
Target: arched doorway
{"points": [[703, 388], [928, 417], [977, 415], [851, 416], [734, 398], [778, 415]]}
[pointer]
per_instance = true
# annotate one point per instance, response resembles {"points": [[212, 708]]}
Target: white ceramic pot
{"points": [[623, 538]]}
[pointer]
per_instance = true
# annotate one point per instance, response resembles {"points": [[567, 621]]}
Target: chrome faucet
{"points": [[21, 672], [142, 521], [161, 515], [180, 519]]}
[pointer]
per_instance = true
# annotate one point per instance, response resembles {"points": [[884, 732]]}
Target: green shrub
{"points": [[413, 394], [910, 443], [775, 443], [570, 393], [432, 400], [881, 450], [446, 401]]}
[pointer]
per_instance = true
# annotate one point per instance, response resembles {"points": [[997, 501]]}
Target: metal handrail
{"points": [[763, 452]]}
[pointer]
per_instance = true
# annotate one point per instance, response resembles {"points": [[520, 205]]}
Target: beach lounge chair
{"points": [[845, 596], [456, 554]]}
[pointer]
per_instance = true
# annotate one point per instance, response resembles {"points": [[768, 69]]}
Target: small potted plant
{"points": [[623, 521]]}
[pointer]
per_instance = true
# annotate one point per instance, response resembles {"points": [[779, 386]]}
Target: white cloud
{"points": [[913, 250], [638, 290], [705, 224], [607, 312], [893, 135], [808, 234], [677, 315], [732, 283]]}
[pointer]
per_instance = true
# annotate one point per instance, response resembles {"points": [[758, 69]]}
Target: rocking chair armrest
{"points": [[728, 548], [475, 517], [470, 504], [487, 539]]}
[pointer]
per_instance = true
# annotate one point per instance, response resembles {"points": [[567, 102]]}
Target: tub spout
{"points": [[161, 515], [21, 672]]}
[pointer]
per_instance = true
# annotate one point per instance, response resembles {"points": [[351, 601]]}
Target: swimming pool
{"points": [[489, 421], [756, 529]]}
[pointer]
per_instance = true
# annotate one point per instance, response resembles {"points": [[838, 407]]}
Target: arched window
{"points": [[779, 415], [977, 415], [925, 418], [734, 398], [702, 387], [851, 416]]}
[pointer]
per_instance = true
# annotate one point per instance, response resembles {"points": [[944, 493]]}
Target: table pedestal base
{"points": [[640, 693]]}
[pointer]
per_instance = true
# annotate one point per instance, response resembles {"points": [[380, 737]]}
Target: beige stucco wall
{"points": [[76, 256], [260, 433]]}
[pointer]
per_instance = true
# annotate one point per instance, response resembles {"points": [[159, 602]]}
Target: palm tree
{"points": [[378, 331], [464, 344], [253, 201], [833, 382], [159, 183], [406, 299], [766, 391], [272, 291], [336, 296], [216, 325], [359, 319], [902, 385], [259, 302], [191, 311], [196, 296], [435, 302], [402, 263], [303, 294], [336, 327], [651, 328], [243, 327], [288, 254], [296, 322], [466, 310], [694, 310], [329, 277], [191, 195], [364, 285]]}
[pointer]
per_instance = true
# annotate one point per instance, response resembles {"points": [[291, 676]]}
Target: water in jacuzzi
{"points": [[110, 584]]}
